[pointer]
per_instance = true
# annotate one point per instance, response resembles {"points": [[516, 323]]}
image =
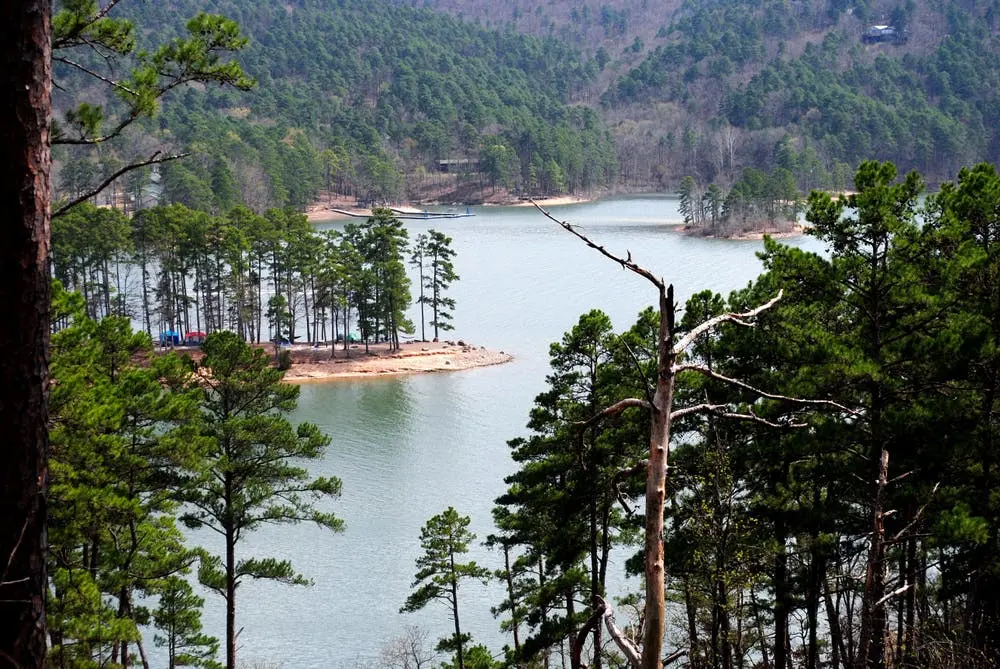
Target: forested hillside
{"points": [[367, 97], [709, 88]]}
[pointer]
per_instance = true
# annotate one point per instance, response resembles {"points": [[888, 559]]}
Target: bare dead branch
{"points": [[916, 517], [697, 408], [638, 368], [624, 644], [626, 263], [615, 409], [96, 75], [705, 371], [719, 410], [620, 476], [674, 656], [13, 552], [738, 318], [754, 418], [155, 159], [894, 593], [900, 477]]}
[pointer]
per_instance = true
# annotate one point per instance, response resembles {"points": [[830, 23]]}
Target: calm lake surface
{"points": [[407, 448]]}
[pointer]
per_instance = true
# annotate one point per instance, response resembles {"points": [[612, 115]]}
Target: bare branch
{"points": [[916, 517], [620, 476], [624, 644], [626, 263], [697, 408], [96, 75], [13, 552], [674, 656], [712, 323], [638, 368], [720, 411], [616, 409], [751, 416], [155, 159], [705, 371], [894, 593]]}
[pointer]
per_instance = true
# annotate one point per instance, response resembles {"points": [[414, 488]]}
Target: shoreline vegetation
{"points": [[314, 364], [334, 210]]}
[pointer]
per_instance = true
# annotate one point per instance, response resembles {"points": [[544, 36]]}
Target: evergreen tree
{"points": [[444, 539], [249, 475], [177, 617], [442, 274]]}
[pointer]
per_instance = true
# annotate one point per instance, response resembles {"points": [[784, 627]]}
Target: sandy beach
{"points": [[325, 211], [314, 364]]}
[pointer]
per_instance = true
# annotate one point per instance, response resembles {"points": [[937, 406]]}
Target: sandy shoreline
{"points": [[314, 364], [320, 213]]}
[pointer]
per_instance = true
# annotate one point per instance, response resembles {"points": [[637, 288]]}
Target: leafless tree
{"points": [[409, 651], [659, 402]]}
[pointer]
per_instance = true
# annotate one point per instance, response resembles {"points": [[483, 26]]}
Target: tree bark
{"points": [[25, 160], [656, 485]]}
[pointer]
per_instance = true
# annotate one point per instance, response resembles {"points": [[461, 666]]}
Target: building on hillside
{"points": [[458, 165], [884, 34]]}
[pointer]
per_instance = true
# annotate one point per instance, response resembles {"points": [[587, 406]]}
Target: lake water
{"points": [[407, 448]]}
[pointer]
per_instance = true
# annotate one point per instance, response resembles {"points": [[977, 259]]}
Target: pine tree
{"points": [[442, 274], [178, 617], [249, 478], [444, 539]]}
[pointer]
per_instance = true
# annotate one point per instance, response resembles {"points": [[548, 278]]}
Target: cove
{"points": [[408, 447]]}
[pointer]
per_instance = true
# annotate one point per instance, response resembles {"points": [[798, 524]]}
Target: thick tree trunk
{"points": [[25, 291], [656, 487]]}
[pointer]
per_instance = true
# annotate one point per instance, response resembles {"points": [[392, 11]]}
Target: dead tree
{"points": [[671, 349], [25, 159]]}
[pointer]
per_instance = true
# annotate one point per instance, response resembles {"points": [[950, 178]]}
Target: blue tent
{"points": [[170, 338]]}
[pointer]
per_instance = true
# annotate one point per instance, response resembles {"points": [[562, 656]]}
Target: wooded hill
{"points": [[709, 88], [356, 95], [367, 98]]}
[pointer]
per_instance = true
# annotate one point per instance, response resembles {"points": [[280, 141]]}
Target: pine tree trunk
{"points": [[25, 292], [837, 648], [694, 652], [873, 610], [454, 612], [780, 595], [230, 586]]}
